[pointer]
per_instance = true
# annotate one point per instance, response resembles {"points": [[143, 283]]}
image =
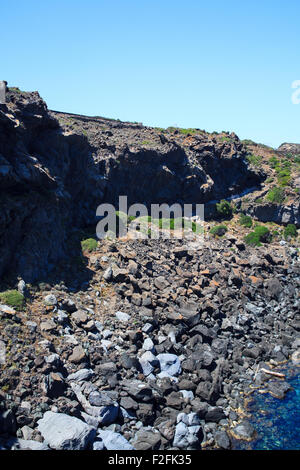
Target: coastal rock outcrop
{"points": [[56, 168]]}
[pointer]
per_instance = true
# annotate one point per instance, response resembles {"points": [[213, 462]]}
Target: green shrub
{"points": [[284, 176], [196, 228], [218, 230], [15, 89], [254, 160], [276, 195], [224, 209], [13, 298], [259, 235], [245, 220], [273, 162], [90, 244], [283, 172], [252, 239], [290, 231], [188, 131], [263, 232], [284, 181], [248, 142]]}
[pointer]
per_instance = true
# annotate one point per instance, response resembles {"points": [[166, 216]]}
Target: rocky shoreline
{"points": [[272, 416], [156, 351]]}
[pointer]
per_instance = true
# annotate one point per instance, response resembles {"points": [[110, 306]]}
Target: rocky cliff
{"points": [[293, 149], [56, 168]]}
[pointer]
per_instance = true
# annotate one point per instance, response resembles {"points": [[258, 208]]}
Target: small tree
{"points": [[224, 209]]}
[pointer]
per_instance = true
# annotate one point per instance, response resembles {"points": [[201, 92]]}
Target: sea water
{"points": [[277, 421]]}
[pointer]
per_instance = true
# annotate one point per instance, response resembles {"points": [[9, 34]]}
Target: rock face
{"points": [[63, 432], [42, 173], [294, 149], [280, 214], [55, 169]]}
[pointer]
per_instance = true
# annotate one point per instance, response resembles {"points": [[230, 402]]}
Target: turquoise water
{"points": [[276, 421]]}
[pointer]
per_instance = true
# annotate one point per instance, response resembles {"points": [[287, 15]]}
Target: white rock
{"points": [[81, 374], [169, 363], [2, 352], [7, 309], [114, 441], [22, 287], [31, 445], [122, 316], [32, 325], [108, 274], [63, 432], [50, 299], [187, 394], [148, 344]]}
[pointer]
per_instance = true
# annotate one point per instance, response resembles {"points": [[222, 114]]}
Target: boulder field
{"points": [[160, 354]]}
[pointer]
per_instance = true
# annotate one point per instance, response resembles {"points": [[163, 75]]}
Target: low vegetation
{"points": [[245, 220], [260, 235], [13, 298], [89, 245], [218, 230], [144, 223], [224, 209], [254, 160], [276, 195], [225, 139], [290, 231]]}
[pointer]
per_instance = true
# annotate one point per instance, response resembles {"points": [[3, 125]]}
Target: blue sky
{"points": [[221, 65]]}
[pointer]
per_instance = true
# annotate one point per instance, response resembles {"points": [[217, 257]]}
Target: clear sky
{"points": [[216, 65]]}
